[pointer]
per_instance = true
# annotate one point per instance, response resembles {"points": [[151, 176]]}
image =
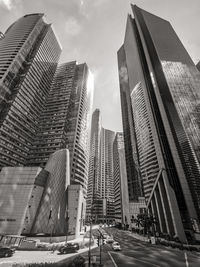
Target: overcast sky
{"points": [[92, 31]]}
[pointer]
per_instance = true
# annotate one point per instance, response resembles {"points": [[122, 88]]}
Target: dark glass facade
{"points": [[132, 166], [121, 202], [163, 84]]}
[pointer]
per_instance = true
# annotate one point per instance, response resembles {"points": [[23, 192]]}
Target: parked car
{"points": [[6, 251], [116, 246], [69, 248]]}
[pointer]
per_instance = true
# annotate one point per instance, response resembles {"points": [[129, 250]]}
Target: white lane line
{"points": [[112, 259], [186, 260]]}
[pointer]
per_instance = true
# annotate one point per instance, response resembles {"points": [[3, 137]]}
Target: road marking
{"points": [[186, 260], [112, 259]]}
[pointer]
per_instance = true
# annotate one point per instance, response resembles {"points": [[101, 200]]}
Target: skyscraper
{"points": [[27, 68], [45, 111], [132, 164], [93, 190], [160, 83], [106, 164], [120, 181], [65, 120], [100, 195], [106, 205]]}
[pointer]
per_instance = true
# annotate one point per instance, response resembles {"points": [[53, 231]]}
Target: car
{"points": [[116, 246], [109, 240], [6, 251], [105, 235], [69, 248]]}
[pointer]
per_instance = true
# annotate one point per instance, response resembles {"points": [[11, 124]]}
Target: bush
{"points": [[77, 262], [164, 242]]}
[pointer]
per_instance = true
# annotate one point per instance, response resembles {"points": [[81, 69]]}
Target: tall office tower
{"points": [[120, 181], [29, 53], [106, 164], [132, 164], [45, 109], [161, 83], [65, 120], [106, 171], [79, 125], [93, 190], [52, 122]]}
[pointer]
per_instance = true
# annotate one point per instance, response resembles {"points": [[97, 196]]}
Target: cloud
{"points": [[9, 4], [72, 27]]}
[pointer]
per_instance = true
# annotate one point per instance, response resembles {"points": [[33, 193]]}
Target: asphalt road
{"points": [[139, 253]]}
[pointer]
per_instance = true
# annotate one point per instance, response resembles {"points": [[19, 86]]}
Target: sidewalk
{"points": [[137, 236]]}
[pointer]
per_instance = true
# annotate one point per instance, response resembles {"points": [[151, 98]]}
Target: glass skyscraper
{"points": [[121, 202], [27, 68], [160, 84], [93, 190], [100, 195]]}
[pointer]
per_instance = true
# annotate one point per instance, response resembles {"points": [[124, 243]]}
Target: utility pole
{"points": [[91, 217], [100, 249], [101, 242], [90, 239]]}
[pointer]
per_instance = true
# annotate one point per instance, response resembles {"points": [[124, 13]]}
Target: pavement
{"points": [[137, 236], [29, 256], [23, 257]]}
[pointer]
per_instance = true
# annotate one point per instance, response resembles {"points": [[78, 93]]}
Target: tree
{"points": [[147, 221]]}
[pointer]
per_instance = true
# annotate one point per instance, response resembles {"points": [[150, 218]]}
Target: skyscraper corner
{"points": [[159, 86]]}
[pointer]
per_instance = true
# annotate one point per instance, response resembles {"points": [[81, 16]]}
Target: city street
{"points": [[134, 253], [139, 253]]}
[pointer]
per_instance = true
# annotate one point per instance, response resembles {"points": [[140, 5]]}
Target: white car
{"points": [[116, 246]]}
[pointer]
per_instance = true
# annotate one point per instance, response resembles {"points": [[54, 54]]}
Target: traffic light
{"points": [[103, 241], [98, 241]]}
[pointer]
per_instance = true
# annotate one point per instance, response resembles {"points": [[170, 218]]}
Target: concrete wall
{"points": [[16, 188], [76, 209], [51, 217]]}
